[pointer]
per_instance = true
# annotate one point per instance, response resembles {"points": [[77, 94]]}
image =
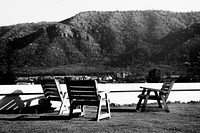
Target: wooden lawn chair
{"points": [[85, 92], [11, 103], [159, 95], [53, 92]]}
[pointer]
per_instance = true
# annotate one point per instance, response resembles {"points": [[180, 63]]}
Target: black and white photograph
{"points": [[99, 66]]}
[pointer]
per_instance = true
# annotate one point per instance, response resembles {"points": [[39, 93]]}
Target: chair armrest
{"points": [[153, 89], [103, 92]]}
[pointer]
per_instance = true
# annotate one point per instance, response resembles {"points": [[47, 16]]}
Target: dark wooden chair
{"points": [[85, 92], [53, 92], [159, 95], [12, 103]]}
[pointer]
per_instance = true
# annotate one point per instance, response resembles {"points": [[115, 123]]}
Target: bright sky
{"points": [[26, 11]]}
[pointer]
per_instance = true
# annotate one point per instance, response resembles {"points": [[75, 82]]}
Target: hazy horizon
{"points": [[28, 11]]}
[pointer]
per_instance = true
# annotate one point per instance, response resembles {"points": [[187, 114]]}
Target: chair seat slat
{"points": [[83, 93], [83, 96], [81, 88], [50, 89], [79, 102], [52, 93]]}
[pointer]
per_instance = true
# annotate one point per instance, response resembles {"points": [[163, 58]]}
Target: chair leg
{"points": [[145, 101], [82, 110], [61, 108], [139, 104], [159, 104], [158, 100], [165, 104], [107, 105], [144, 104], [64, 106], [98, 111], [71, 111]]}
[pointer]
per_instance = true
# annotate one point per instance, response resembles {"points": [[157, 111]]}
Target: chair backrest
{"points": [[11, 106], [52, 89], [167, 87], [82, 92]]}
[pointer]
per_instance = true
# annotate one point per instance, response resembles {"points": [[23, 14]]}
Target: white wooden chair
{"points": [[85, 92], [53, 92]]}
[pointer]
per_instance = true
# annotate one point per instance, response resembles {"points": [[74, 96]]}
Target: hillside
{"points": [[123, 39], [134, 34]]}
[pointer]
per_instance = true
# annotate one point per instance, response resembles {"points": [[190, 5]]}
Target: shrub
{"points": [[154, 76]]}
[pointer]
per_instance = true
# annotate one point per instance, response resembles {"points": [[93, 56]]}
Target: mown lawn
{"points": [[182, 118]]}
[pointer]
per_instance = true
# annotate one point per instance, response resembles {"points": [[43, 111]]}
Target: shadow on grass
{"points": [[27, 118], [32, 117], [55, 116]]}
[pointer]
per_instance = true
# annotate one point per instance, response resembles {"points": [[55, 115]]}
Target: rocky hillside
{"points": [[115, 39]]}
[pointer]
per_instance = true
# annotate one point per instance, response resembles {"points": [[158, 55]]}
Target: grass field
{"points": [[182, 118]]}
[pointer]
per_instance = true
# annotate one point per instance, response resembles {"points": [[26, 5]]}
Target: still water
{"points": [[115, 97]]}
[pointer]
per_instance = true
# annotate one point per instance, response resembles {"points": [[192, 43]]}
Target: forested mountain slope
{"points": [[136, 34], [114, 38]]}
